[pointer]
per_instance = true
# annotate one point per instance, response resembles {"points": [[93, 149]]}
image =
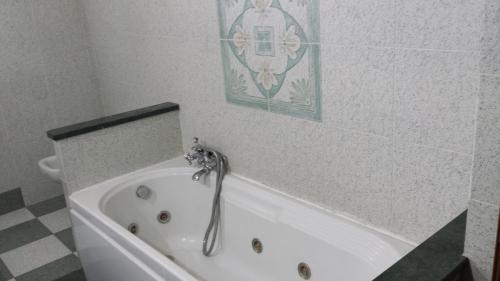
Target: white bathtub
{"points": [[291, 232]]}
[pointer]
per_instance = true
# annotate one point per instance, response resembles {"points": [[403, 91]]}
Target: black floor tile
{"points": [[74, 276], [54, 270], [11, 200], [4, 272], [47, 206], [22, 234], [66, 237]]}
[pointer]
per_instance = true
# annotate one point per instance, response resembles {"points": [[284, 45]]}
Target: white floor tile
{"points": [[14, 218], [34, 255], [56, 221]]}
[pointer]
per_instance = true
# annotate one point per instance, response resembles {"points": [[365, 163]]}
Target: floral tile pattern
{"points": [[270, 53]]}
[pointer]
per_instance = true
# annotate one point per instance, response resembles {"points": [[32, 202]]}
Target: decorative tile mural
{"points": [[271, 57]]}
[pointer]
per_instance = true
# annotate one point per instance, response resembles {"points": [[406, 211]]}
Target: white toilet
{"points": [[50, 167]]}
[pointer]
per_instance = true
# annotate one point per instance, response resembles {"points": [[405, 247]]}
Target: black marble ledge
{"points": [[438, 258], [110, 121]]}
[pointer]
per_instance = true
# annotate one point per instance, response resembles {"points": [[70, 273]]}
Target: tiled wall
{"points": [[399, 83], [485, 197], [46, 81], [97, 156]]}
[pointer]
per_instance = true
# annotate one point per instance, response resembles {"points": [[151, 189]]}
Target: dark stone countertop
{"points": [[438, 258], [110, 121]]}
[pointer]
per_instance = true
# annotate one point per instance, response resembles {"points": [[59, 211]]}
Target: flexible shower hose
{"points": [[213, 226]]}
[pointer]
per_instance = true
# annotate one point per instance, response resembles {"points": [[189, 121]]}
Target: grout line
{"points": [[485, 203], [320, 43], [489, 74], [474, 142], [393, 112]]}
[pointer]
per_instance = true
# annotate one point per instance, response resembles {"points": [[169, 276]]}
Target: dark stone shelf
{"points": [[110, 121], [438, 258]]}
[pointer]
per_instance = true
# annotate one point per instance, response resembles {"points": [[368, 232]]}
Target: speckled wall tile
{"points": [[46, 81], [431, 187], [270, 55], [490, 41], [7, 174], [358, 22], [435, 98], [94, 157], [486, 180], [435, 24], [358, 85], [482, 221]]}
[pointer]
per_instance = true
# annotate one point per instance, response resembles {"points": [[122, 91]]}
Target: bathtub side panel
{"points": [[102, 259]]}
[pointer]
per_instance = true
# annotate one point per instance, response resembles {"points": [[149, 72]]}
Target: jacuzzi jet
{"points": [[143, 192], [257, 246], [304, 271], [164, 217], [133, 228]]}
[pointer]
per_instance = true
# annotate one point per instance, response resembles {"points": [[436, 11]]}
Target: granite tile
{"points": [[48, 206], [431, 187], [128, 147], [22, 234], [56, 221], [25, 88], [11, 200], [490, 41], [486, 178], [436, 24], [357, 22], [18, 41], [4, 272], [66, 237], [53, 271], [481, 235], [14, 218], [8, 171], [31, 256], [435, 99], [359, 83], [363, 167], [71, 82], [59, 25]]}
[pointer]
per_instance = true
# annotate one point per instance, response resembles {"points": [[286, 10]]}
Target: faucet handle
{"points": [[189, 158]]}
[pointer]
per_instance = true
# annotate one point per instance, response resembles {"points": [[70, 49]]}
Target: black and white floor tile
{"points": [[36, 243]]}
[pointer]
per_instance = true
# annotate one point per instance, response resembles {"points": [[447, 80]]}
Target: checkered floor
{"points": [[36, 244]]}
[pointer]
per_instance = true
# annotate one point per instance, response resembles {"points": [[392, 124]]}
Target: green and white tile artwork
{"points": [[271, 55]]}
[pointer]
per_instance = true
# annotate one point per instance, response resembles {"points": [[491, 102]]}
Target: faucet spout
{"points": [[196, 176]]}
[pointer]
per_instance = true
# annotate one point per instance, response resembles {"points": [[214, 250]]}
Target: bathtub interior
{"points": [[290, 232]]}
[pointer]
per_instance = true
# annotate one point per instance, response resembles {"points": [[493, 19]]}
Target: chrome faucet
{"points": [[196, 176], [203, 157], [209, 159]]}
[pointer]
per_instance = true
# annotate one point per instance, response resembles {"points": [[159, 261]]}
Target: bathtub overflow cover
{"points": [[133, 228], [304, 271], [257, 246], [164, 217]]}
